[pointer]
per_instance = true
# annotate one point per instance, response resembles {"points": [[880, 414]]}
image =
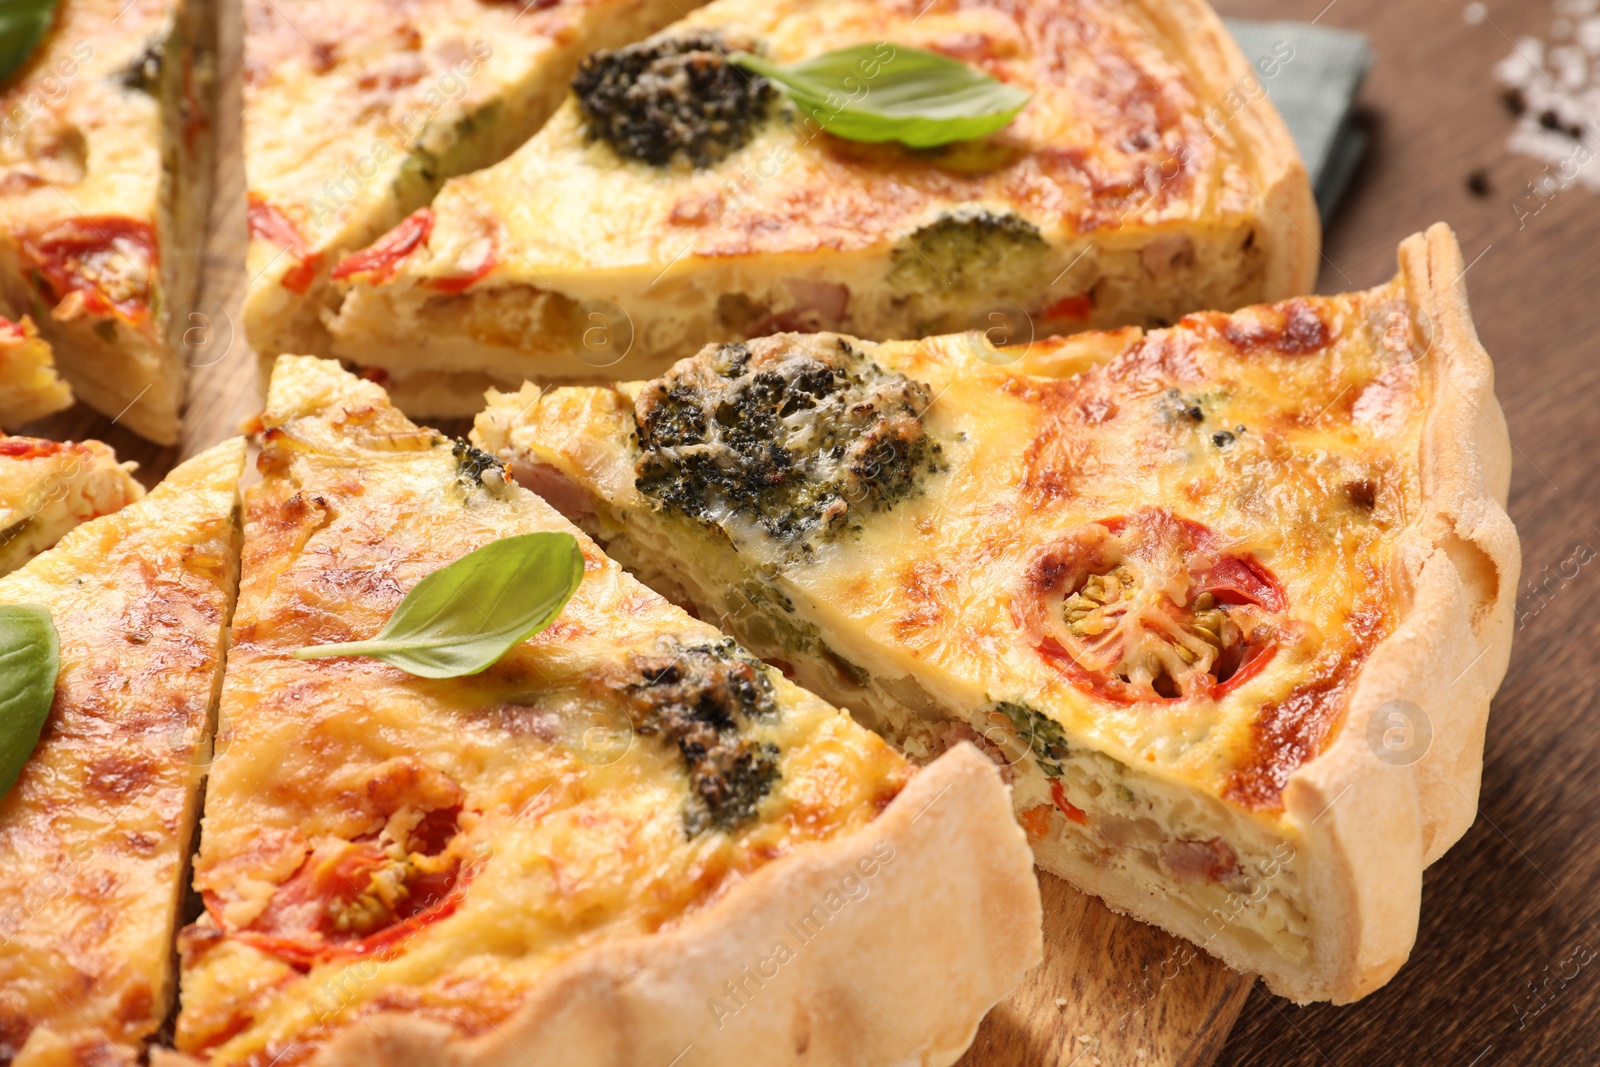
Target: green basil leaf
{"points": [[887, 92], [22, 26], [30, 658], [464, 616]]}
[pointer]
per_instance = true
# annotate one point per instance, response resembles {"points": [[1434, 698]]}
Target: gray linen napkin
{"points": [[1312, 74]]}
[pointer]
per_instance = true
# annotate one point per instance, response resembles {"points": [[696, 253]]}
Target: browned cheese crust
{"points": [[95, 836], [624, 837], [1229, 599]]}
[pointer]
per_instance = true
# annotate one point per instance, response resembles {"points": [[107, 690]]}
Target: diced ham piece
{"points": [[1212, 861], [559, 491], [959, 732]]}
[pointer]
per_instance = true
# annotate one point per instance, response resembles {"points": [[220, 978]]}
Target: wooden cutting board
{"points": [[1110, 991]]}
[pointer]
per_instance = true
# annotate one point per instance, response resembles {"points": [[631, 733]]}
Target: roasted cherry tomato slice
{"points": [[380, 259], [270, 224], [354, 898], [1076, 308], [481, 257], [108, 260], [30, 447], [1150, 607]]}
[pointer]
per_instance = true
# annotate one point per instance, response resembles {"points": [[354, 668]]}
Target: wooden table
{"points": [[1513, 907]]}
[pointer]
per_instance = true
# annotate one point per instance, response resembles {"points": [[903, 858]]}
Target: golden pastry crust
{"points": [[96, 834], [391, 864], [356, 112], [105, 178], [1174, 578], [29, 387], [1148, 176], [48, 487]]}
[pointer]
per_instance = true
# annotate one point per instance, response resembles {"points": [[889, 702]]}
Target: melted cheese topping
{"points": [[29, 388], [95, 835], [48, 487], [1111, 102], [356, 111], [562, 818], [105, 172], [1267, 459], [1120, 194], [78, 138]]}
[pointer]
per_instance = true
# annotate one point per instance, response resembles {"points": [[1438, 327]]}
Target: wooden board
{"points": [[1513, 907], [1110, 991]]}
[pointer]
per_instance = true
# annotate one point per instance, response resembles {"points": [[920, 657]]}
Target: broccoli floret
{"points": [[472, 464], [703, 699], [966, 250], [794, 432], [143, 73], [1042, 734], [670, 97]]}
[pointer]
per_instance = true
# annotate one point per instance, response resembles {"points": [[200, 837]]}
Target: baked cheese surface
{"points": [[356, 111], [1114, 103], [1176, 544], [86, 137], [95, 836], [104, 180], [376, 842], [48, 487]]}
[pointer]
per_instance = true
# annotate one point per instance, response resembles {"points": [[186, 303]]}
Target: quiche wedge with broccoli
{"points": [[1229, 600], [356, 112], [48, 487], [625, 837], [677, 199], [96, 832], [104, 189]]}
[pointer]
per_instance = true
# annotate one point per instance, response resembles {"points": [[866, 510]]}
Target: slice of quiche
{"points": [[1230, 598], [29, 386], [95, 835], [625, 838], [355, 112], [676, 200], [48, 487], [105, 179]]}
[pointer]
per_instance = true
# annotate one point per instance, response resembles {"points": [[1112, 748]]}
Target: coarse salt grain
{"points": [[1555, 87]]}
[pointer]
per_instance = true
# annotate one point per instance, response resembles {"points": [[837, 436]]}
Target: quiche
{"points": [[95, 835], [624, 838], [105, 179], [29, 386], [356, 112], [1228, 599], [675, 200], [48, 487]]}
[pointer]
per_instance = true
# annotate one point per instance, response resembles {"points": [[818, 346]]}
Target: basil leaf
{"points": [[464, 616], [22, 26], [885, 92], [30, 658]]}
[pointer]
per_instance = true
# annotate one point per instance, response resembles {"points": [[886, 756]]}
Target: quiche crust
{"points": [[458, 871], [1306, 500], [1148, 176], [95, 835]]}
